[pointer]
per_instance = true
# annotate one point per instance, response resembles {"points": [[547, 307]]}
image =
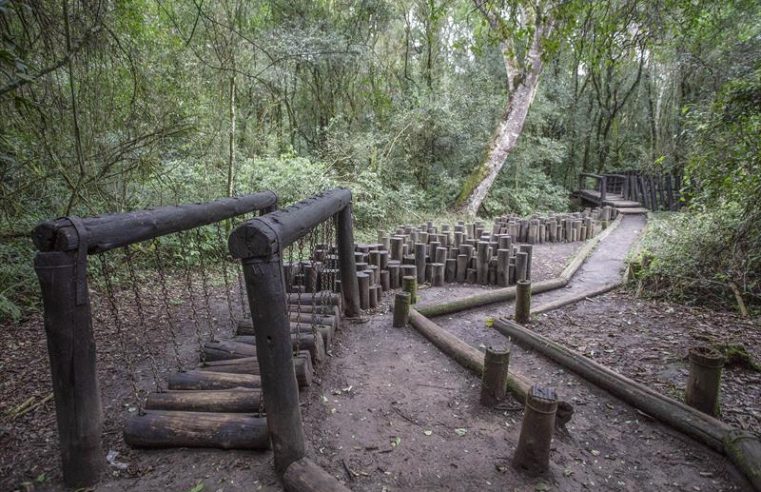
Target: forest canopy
{"points": [[118, 105]]}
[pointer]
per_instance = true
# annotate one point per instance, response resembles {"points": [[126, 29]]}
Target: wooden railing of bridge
{"points": [[630, 189]]}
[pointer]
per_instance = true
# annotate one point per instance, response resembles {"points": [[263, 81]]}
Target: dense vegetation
{"points": [[114, 105]]}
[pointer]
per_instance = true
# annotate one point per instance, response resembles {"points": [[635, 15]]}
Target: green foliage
{"points": [[690, 257]]}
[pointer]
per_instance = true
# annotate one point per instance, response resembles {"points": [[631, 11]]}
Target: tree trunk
{"points": [[524, 86], [231, 154]]}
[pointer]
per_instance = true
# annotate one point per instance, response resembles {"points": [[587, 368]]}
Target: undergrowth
{"points": [[700, 257]]}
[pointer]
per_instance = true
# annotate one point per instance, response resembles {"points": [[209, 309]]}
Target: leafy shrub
{"points": [[694, 257]]}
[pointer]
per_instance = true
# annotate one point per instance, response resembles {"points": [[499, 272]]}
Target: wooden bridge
{"points": [[631, 192]]}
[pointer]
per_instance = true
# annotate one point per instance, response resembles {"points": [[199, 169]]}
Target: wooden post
{"points": [[529, 250], [363, 283], [401, 309], [462, 268], [409, 284], [521, 266], [533, 452], [269, 313], [420, 250], [523, 302], [345, 240], [71, 347], [450, 270], [494, 378], [704, 381]]}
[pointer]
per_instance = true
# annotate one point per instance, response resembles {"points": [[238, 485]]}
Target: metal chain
{"points": [[245, 309], [165, 302], [204, 282], [224, 258], [114, 308], [135, 285], [190, 293]]}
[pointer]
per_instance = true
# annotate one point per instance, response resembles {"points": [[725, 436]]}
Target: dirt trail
{"points": [[394, 413], [605, 266]]}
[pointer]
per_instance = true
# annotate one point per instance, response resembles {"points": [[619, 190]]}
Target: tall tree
{"points": [[522, 29]]}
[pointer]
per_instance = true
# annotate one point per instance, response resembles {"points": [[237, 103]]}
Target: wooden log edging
{"points": [[508, 293], [741, 447], [473, 359]]}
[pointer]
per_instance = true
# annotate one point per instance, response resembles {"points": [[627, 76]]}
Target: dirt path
{"points": [[394, 413]]}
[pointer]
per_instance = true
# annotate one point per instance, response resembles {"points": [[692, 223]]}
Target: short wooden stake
{"points": [[523, 302], [409, 284], [401, 309], [704, 381], [494, 378], [363, 281], [533, 452]]}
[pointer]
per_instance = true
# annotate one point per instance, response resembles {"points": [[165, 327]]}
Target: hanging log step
{"points": [[235, 349], [247, 325], [207, 380], [226, 401], [319, 298], [327, 331], [162, 429], [325, 310], [312, 342], [302, 364]]}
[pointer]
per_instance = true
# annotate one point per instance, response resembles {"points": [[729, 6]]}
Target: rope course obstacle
{"points": [[245, 392], [62, 267]]}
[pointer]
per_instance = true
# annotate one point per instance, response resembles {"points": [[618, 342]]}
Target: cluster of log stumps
{"points": [[463, 253]]}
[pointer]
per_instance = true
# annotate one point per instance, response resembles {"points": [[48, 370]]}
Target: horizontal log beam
{"points": [[473, 359], [105, 232], [302, 364], [268, 235]]}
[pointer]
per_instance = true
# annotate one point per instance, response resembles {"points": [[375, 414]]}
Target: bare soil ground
{"points": [[388, 410]]}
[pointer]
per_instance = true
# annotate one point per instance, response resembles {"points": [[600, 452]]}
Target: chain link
{"points": [[204, 282], [190, 292], [118, 324], [165, 301], [135, 286], [224, 257]]}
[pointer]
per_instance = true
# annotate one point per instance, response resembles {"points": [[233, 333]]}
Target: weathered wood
{"points": [[268, 306], [473, 359], [523, 301], [485, 298], [521, 266], [246, 327], [420, 261], [409, 285], [302, 365], [363, 282], [532, 455], [401, 309], [208, 380], [225, 401], [160, 429], [305, 476], [437, 274], [71, 348], [694, 423], [345, 246], [494, 378], [313, 342], [105, 232], [704, 381], [319, 298], [270, 234]]}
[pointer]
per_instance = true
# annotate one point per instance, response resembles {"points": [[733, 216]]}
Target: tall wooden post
{"points": [[345, 240], [265, 285], [71, 347]]}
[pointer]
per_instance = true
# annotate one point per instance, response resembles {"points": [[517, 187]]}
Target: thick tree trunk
{"points": [[523, 86]]}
